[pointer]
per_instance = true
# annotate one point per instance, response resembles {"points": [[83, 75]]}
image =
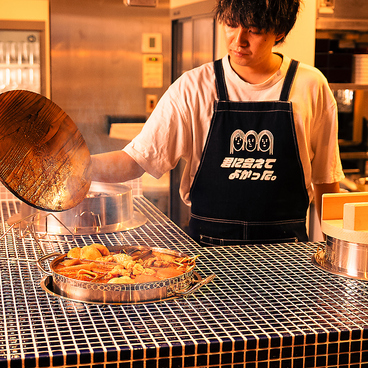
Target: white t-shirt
{"points": [[179, 125]]}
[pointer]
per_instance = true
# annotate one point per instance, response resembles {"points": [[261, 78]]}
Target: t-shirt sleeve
{"points": [[163, 139]]}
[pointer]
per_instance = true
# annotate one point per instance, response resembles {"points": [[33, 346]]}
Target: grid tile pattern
{"points": [[268, 306]]}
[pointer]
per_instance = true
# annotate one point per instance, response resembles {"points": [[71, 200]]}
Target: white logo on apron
{"points": [[251, 168], [251, 141]]}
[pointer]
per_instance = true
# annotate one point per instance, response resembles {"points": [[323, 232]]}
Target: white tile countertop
{"points": [[268, 306]]}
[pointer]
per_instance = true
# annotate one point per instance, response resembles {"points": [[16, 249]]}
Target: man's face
{"points": [[249, 47]]}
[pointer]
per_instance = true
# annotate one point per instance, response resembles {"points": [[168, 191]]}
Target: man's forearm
{"points": [[114, 167]]}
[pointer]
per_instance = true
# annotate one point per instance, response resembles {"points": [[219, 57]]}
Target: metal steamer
{"points": [[343, 258], [107, 208], [345, 224]]}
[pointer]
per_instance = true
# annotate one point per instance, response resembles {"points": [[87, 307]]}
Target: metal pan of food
{"points": [[44, 160], [116, 275]]}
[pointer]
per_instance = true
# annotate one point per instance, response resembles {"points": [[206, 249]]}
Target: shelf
{"points": [[354, 155], [336, 86], [19, 66]]}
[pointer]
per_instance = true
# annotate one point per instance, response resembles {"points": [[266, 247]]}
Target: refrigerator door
{"points": [[20, 63]]}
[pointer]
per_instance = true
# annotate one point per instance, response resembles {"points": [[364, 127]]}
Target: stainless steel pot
{"points": [[107, 208], [102, 293], [343, 258]]}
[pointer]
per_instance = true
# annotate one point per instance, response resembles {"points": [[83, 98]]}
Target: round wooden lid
{"points": [[44, 159]]}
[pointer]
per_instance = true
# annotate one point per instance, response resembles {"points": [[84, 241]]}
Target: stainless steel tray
{"points": [[47, 285]]}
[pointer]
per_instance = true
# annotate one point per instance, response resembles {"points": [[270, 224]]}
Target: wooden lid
{"points": [[44, 159]]}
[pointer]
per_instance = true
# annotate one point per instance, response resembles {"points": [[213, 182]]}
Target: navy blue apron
{"points": [[249, 186]]}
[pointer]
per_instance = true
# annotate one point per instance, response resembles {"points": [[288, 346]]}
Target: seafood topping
{"points": [[96, 263]]}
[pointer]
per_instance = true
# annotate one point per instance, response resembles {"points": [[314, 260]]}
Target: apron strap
{"points": [[289, 78], [220, 81]]}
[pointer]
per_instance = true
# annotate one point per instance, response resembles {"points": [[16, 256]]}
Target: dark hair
{"points": [[278, 16]]}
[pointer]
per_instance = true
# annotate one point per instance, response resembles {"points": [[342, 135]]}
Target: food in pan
{"points": [[96, 263]]}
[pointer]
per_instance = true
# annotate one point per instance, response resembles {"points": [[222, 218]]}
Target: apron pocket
{"points": [[208, 241], [208, 232]]}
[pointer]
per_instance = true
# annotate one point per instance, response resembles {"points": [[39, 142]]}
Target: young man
{"points": [[256, 129]]}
